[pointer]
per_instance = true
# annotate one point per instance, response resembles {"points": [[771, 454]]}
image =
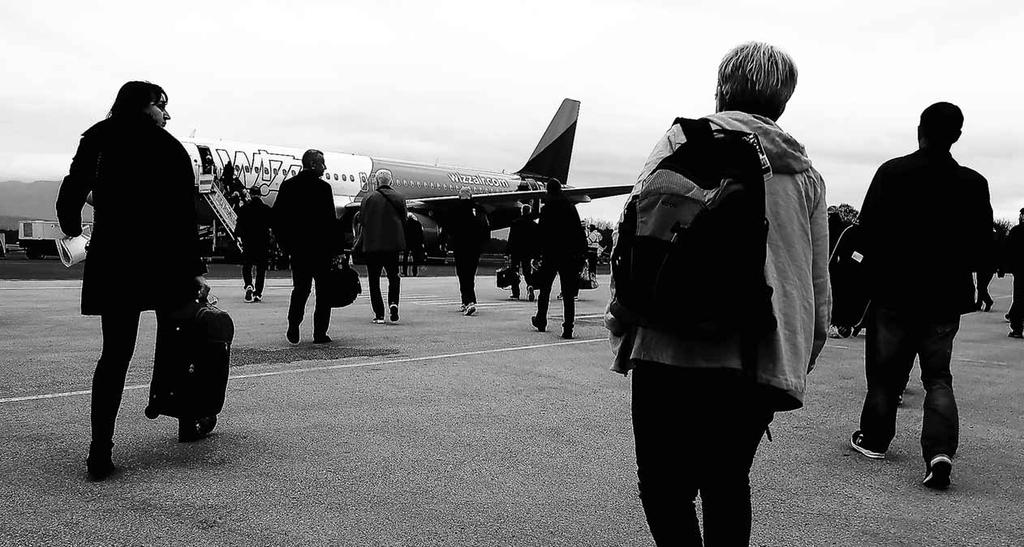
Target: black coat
{"points": [[253, 228], [1013, 252], [305, 222], [926, 223], [468, 228], [522, 239], [144, 253], [559, 230]]}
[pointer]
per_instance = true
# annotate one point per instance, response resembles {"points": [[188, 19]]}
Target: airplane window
{"points": [[335, 176], [344, 177]]}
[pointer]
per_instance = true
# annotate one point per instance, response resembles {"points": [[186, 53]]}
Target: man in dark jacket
{"points": [[925, 219], [563, 246], [1013, 262], [304, 220], [253, 229], [382, 215], [522, 249], [469, 230]]}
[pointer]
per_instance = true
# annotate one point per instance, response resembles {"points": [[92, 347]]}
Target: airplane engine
{"points": [[432, 243]]}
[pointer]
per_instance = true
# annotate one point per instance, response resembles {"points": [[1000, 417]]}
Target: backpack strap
{"points": [[695, 130]]}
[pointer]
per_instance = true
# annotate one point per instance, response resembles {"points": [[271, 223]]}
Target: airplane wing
{"points": [[582, 194]]}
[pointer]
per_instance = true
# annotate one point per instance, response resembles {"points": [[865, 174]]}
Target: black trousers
{"points": [[410, 258], [120, 331], [521, 265], [375, 263], [893, 341], [696, 430], [568, 272], [1016, 313], [466, 263], [249, 263], [306, 271]]}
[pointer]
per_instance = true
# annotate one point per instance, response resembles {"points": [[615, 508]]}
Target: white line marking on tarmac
{"points": [[328, 367]]}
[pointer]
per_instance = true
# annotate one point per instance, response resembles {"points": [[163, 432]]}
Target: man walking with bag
{"points": [[383, 216], [305, 223], [253, 229]]}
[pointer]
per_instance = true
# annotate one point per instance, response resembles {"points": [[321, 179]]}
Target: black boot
{"points": [[193, 429], [99, 464]]}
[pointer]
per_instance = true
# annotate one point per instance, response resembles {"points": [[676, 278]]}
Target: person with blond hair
{"points": [[698, 413]]}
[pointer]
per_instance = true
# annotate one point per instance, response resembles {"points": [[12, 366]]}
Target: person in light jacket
{"points": [[697, 417]]}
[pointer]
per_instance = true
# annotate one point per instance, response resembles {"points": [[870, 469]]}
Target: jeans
{"points": [[1016, 313], [306, 270], [466, 263], [696, 430], [893, 340], [375, 263], [120, 330], [260, 265], [568, 272]]}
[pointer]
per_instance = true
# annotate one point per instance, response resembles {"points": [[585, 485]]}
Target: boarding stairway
{"points": [[222, 210]]}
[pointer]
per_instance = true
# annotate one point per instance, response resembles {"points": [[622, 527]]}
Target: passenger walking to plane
{"points": [[1013, 262], [522, 249], [413, 255], [563, 249], [304, 221], [165, 271], [698, 413], [922, 213], [469, 230], [382, 215], [253, 230]]}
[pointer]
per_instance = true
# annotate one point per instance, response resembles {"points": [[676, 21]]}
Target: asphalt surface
{"points": [[452, 430]]}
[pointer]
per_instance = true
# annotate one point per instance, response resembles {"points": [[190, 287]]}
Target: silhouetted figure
{"points": [[925, 222], [382, 215], [253, 229], [165, 270], [413, 255], [563, 248], [304, 221], [1013, 262], [468, 230], [522, 249]]}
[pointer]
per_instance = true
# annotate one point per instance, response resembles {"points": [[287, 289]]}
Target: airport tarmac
{"points": [[452, 430]]}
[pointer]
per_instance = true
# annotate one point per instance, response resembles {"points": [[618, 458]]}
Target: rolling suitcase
{"points": [[190, 380]]}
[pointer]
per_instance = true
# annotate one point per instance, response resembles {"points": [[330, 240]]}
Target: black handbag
{"points": [[506, 277], [344, 285]]}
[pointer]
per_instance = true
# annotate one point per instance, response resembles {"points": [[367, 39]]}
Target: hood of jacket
{"points": [[784, 152]]}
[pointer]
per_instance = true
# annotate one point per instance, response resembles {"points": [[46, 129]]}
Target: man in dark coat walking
{"points": [[304, 221], [563, 246], [382, 215], [925, 222], [253, 229], [522, 249], [469, 230], [1013, 262]]}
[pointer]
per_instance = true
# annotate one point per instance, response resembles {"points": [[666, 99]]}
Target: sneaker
{"points": [[99, 464], [248, 294], [529, 293], [194, 429], [462, 308], [257, 298], [857, 442], [470, 309], [938, 472], [538, 323], [293, 335], [567, 333], [1016, 334], [378, 320], [394, 313], [321, 339]]}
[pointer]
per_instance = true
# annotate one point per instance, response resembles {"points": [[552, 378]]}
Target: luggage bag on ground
{"points": [[191, 379]]}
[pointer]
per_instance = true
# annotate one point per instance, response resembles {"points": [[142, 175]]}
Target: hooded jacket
{"points": [[796, 268]]}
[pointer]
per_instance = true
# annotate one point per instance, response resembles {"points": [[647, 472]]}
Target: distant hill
{"points": [[33, 200]]}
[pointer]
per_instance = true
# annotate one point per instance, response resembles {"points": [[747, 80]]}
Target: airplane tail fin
{"points": [[550, 160]]}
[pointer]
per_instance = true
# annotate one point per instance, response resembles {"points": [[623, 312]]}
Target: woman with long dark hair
{"points": [[144, 253]]}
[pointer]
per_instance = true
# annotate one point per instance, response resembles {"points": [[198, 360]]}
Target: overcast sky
{"points": [[471, 84]]}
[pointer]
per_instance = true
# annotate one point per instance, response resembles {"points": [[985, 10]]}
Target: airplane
{"points": [[430, 190]]}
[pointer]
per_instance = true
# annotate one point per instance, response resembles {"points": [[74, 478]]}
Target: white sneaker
{"points": [[470, 309], [462, 308]]}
